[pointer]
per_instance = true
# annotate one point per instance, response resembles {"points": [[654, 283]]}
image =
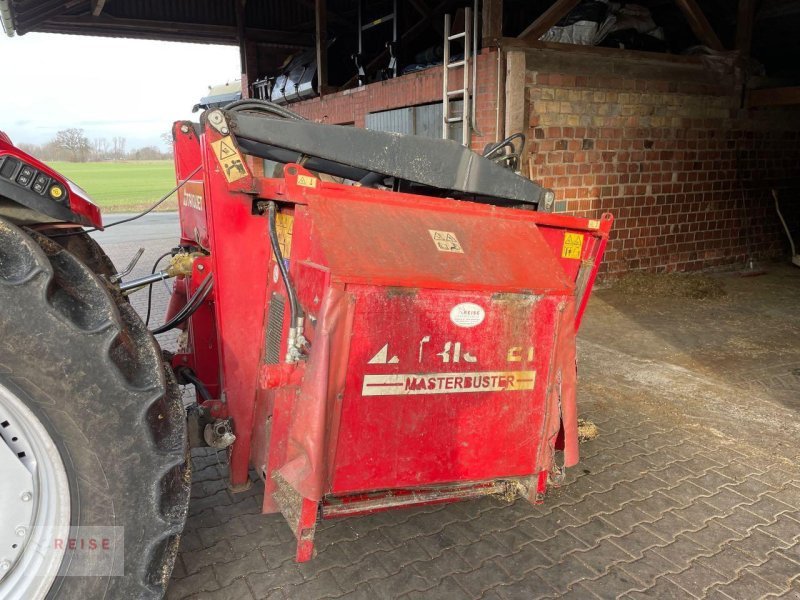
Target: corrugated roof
{"points": [[287, 24]]}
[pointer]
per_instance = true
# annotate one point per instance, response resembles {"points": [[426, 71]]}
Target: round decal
{"points": [[467, 314]]}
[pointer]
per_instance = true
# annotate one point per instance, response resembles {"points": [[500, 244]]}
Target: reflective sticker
{"points": [[275, 274], [573, 243], [306, 181], [593, 224], [229, 159], [467, 314], [446, 241], [413, 384], [283, 226]]}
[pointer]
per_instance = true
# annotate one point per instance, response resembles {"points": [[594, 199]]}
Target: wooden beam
{"points": [[515, 109], [28, 19], [782, 96], [423, 9], [491, 21], [700, 26], [509, 44], [321, 29], [744, 26], [547, 19], [241, 39], [170, 30], [332, 16], [97, 7]]}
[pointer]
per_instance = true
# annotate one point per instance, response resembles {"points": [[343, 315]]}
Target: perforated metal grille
{"points": [[272, 355]]}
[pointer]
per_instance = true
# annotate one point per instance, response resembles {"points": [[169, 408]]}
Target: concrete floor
{"points": [[691, 489]]}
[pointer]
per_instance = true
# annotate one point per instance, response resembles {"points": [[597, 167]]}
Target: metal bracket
{"points": [[131, 265], [219, 434]]}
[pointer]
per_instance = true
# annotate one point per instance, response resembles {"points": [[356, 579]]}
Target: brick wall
{"points": [[661, 144], [667, 150]]}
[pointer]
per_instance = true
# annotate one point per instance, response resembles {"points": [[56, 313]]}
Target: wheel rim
{"points": [[34, 502]]}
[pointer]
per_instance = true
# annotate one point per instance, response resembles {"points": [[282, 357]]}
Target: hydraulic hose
{"points": [[265, 106], [200, 294], [294, 305], [296, 326], [189, 376]]}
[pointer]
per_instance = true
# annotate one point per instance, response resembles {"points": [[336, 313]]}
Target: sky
{"points": [[106, 86]]}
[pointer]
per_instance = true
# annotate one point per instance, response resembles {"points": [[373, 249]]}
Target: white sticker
{"points": [[446, 241], [467, 314], [275, 274], [413, 384]]}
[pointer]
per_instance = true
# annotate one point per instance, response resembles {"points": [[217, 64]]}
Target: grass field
{"points": [[124, 186]]}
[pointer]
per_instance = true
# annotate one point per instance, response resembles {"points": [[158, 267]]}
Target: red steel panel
{"points": [[191, 196], [392, 242], [430, 401]]}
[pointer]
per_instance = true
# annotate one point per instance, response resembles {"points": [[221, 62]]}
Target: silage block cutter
{"points": [[391, 320]]}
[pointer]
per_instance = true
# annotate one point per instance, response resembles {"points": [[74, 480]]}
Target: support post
{"points": [[491, 22], [241, 38], [515, 97], [744, 26], [321, 21]]}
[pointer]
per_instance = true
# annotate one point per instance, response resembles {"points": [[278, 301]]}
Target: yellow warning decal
{"points": [[573, 244], [594, 224], [283, 226], [306, 181], [229, 159], [446, 241]]}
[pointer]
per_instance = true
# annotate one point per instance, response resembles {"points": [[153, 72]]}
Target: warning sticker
{"points": [[229, 159], [573, 244], [283, 227], [306, 181], [447, 383], [446, 241]]}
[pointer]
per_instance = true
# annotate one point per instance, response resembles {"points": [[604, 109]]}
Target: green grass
{"points": [[123, 186]]}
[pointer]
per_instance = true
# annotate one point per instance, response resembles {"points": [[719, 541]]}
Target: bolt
{"points": [[184, 129], [26, 496], [215, 117], [5, 565], [20, 531], [224, 131], [200, 267]]}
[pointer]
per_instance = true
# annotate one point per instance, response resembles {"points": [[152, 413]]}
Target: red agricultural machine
{"points": [[370, 321]]}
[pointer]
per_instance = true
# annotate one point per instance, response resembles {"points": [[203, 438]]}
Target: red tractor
{"points": [[370, 321]]}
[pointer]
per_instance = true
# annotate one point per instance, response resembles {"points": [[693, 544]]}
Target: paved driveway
{"points": [[691, 489]]}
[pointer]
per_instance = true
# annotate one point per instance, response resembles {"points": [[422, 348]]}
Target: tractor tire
{"points": [[83, 246], [92, 413]]}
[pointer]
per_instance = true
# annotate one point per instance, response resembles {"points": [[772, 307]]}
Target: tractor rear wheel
{"points": [[92, 434]]}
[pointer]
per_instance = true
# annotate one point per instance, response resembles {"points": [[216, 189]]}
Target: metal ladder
{"points": [[447, 94]]}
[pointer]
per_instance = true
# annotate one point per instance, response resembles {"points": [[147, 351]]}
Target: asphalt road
{"points": [[154, 226]]}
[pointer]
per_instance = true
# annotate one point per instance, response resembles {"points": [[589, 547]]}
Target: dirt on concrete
{"points": [[587, 430], [671, 285]]}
